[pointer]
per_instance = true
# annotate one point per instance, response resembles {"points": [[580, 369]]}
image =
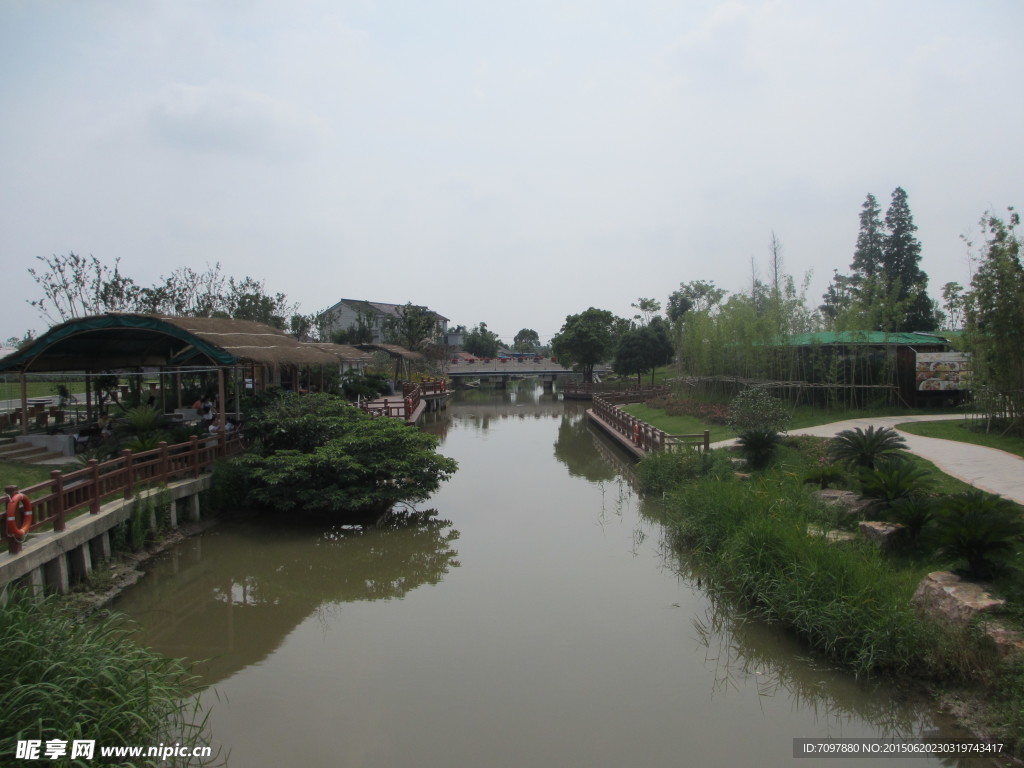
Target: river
{"points": [[539, 619]]}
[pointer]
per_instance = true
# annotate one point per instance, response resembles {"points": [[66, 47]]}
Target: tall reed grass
{"points": [[65, 677], [846, 600]]}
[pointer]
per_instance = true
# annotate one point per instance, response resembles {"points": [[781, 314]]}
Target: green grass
{"points": [[11, 389], [72, 678], [677, 425], [966, 432], [24, 475]]}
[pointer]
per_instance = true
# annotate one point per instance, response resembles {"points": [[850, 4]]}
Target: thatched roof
{"points": [[344, 352], [392, 349], [121, 340]]}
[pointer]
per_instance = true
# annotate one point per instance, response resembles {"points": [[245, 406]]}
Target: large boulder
{"points": [[949, 599]]}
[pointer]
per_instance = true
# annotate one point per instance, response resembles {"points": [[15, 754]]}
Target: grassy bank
{"points": [[758, 543], [69, 678]]}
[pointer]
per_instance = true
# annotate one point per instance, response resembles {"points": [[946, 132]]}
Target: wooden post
{"points": [[58, 499], [94, 502], [13, 545], [129, 473], [24, 404]]}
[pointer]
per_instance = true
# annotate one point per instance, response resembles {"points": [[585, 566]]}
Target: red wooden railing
{"points": [[640, 433], [65, 493]]}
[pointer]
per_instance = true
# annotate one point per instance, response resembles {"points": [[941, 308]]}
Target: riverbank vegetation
{"points": [[317, 454], [70, 677], [769, 542]]}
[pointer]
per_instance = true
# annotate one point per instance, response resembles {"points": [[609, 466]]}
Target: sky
{"points": [[499, 162]]}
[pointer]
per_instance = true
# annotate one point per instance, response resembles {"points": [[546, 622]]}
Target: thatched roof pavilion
{"points": [[124, 341]]}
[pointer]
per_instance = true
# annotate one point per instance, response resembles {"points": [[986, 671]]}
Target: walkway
{"points": [[989, 469]]}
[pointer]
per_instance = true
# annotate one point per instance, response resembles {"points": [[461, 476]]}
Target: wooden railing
{"points": [[65, 493], [640, 433]]}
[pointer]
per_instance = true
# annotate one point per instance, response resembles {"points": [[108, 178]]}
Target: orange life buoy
{"points": [[636, 434], [408, 406], [13, 529]]}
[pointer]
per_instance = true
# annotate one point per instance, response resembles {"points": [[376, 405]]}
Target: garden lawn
{"points": [[677, 425], [966, 432]]}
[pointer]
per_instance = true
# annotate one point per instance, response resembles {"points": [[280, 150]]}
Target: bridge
{"points": [[499, 370]]}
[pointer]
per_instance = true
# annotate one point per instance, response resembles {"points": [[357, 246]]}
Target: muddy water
{"points": [[536, 620]]}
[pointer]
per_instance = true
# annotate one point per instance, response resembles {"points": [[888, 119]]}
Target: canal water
{"points": [[537, 618]]}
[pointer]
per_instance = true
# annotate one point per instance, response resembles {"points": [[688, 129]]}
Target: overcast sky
{"points": [[505, 162]]}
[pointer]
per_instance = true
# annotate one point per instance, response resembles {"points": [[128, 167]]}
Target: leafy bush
{"points": [[977, 527], [317, 453], [912, 512], [758, 418], [893, 480], [866, 448], [754, 410]]}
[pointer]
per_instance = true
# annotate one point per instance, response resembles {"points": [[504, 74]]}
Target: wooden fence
{"points": [[66, 493], [640, 433]]}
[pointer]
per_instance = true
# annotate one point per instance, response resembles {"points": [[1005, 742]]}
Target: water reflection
{"points": [[232, 595], [564, 631]]}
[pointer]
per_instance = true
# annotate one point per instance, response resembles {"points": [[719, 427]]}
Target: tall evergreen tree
{"points": [[905, 282]]}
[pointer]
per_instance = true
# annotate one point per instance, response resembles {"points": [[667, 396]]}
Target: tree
{"points": [[585, 340], [317, 453], [994, 310], [526, 340], [414, 328], [901, 257], [886, 289], [643, 349], [75, 286], [481, 342], [695, 296], [648, 309]]}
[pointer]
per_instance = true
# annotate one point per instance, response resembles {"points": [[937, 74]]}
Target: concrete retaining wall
{"points": [[54, 560]]}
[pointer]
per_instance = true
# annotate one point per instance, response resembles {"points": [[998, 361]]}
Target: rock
{"points": [[1008, 642], [885, 535], [848, 501], [832, 536], [948, 598]]}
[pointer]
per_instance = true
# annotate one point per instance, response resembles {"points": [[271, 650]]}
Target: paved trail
{"points": [[989, 469]]}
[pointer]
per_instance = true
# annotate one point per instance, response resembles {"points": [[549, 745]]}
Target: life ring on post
{"points": [[13, 529], [636, 433], [408, 406]]}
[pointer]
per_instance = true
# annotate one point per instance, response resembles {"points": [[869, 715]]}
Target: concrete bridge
{"points": [[500, 370]]}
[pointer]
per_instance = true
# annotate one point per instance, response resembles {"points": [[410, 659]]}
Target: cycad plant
{"points": [[866, 448], [892, 481], [977, 527]]}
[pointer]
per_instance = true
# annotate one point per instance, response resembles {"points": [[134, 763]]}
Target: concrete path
{"points": [[989, 469]]}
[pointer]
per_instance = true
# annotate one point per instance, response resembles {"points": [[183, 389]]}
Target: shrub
{"points": [[658, 473], [912, 512], [866, 448], [317, 453], [977, 527], [892, 480], [758, 418]]}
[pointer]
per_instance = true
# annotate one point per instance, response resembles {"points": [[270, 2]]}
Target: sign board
{"points": [[943, 371]]}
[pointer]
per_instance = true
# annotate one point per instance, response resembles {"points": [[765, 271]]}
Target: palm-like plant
{"points": [[976, 526], [913, 513], [866, 448], [893, 480]]}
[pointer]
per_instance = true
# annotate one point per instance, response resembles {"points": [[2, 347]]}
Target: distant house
{"points": [[368, 322]]}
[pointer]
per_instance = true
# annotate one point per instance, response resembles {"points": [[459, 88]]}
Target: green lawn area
{"points": [[677, 425], [24, 475], [965, 432], [10, 389]]}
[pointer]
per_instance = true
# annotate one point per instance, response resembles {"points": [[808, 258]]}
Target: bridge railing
{"points": [[640, 433], [67, 493]]}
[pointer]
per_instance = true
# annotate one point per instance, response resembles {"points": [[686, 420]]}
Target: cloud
{"points": [[221, 119]]}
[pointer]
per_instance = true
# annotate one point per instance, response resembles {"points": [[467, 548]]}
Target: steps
{"points": [[23, 452]]}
